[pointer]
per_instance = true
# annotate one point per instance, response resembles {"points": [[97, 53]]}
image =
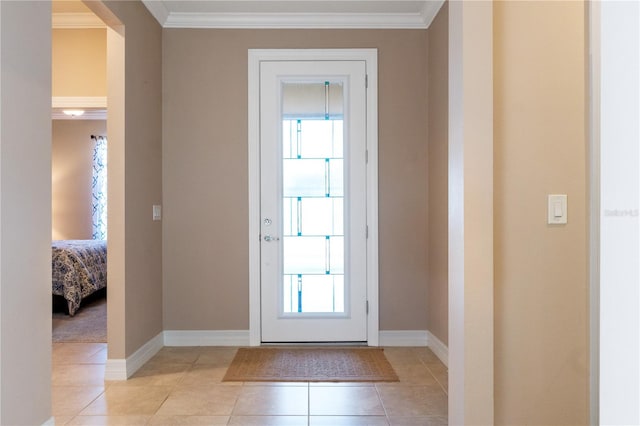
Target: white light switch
{"points": [[157, 212], [557, 209]]}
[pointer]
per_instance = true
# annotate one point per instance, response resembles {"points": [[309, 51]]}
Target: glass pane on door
{"points": [[313, 198]]}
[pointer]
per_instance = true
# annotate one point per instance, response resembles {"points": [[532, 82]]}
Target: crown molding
{"points": [[74, 21], [158, 10], [295, 20], [298, 20], [430, 10], [79, 102]]}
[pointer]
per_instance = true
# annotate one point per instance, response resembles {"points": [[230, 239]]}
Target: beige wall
{"points": [[79, 62], [438, 103], [541, 286], [205, 171], [135, 169], [71, 174], [25, 215]]}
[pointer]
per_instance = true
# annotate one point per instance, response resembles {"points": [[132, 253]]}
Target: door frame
{"points": [[370, 57]]}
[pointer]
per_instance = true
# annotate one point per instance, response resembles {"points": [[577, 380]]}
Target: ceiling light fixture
{"points": [[73, 112]]}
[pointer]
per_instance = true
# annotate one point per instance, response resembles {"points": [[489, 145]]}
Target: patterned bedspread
{"points": [[79, 268]]}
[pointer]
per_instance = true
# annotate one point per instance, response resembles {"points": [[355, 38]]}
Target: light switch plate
{"points": [[157, 212], [557, 209]]}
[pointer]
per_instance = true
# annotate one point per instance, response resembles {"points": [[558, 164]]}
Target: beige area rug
{"points": [[88, 325], [323, 364]]}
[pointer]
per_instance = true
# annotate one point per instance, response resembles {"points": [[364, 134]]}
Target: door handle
{"points": [[268, 238]]}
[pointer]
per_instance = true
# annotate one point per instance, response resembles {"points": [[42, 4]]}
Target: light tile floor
{"points": [[183, 386]]}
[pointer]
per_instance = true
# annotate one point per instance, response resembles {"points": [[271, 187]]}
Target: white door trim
{"points": [[370, 56]]}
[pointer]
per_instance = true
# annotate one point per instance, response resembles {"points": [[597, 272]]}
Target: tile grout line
{"points": [[386, 413], [435, 377], [193, 363]]}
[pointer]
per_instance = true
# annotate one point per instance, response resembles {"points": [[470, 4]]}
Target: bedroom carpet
{"points": [[321, 364], [88, 325]]}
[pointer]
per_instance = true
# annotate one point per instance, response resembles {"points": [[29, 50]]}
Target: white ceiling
{"points": [[294, 13]]}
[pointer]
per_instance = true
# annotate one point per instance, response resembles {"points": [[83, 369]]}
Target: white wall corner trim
{"points": [[616, 72], [438, 348], [404, 338], [206, 337], [122, 369]]}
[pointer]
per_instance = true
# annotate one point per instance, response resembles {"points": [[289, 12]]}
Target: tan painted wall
{"points": [[25, 216], [205, 172], [438, 99], [135, 153], [116, 270], [71, 173], [79, 62], [541, 286]]}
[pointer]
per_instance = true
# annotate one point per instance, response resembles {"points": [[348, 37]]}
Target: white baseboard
{"points": [[415, 338], [122, 369], [241, 338], [144, 354], [403, 338], [437, 347], [206, 337]]}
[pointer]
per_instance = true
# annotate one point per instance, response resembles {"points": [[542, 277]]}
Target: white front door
{"points": [[313, 201]]}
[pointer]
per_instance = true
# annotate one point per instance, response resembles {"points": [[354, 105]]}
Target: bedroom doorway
{"points": [[313, 198], [79, 130]]}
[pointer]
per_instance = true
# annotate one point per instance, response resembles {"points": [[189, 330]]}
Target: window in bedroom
{"points": [[99, 188]]}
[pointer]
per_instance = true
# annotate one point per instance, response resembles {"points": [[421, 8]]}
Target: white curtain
{"points": [[99, 188]]}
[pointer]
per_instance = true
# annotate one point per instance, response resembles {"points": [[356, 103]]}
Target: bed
{"points": [[79, 268]]}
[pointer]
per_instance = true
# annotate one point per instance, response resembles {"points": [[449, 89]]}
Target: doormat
{"points": [[310, 365]]}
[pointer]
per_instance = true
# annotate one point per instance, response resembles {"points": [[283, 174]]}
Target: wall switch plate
{"points": [[157, 212], [557, 209]]}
